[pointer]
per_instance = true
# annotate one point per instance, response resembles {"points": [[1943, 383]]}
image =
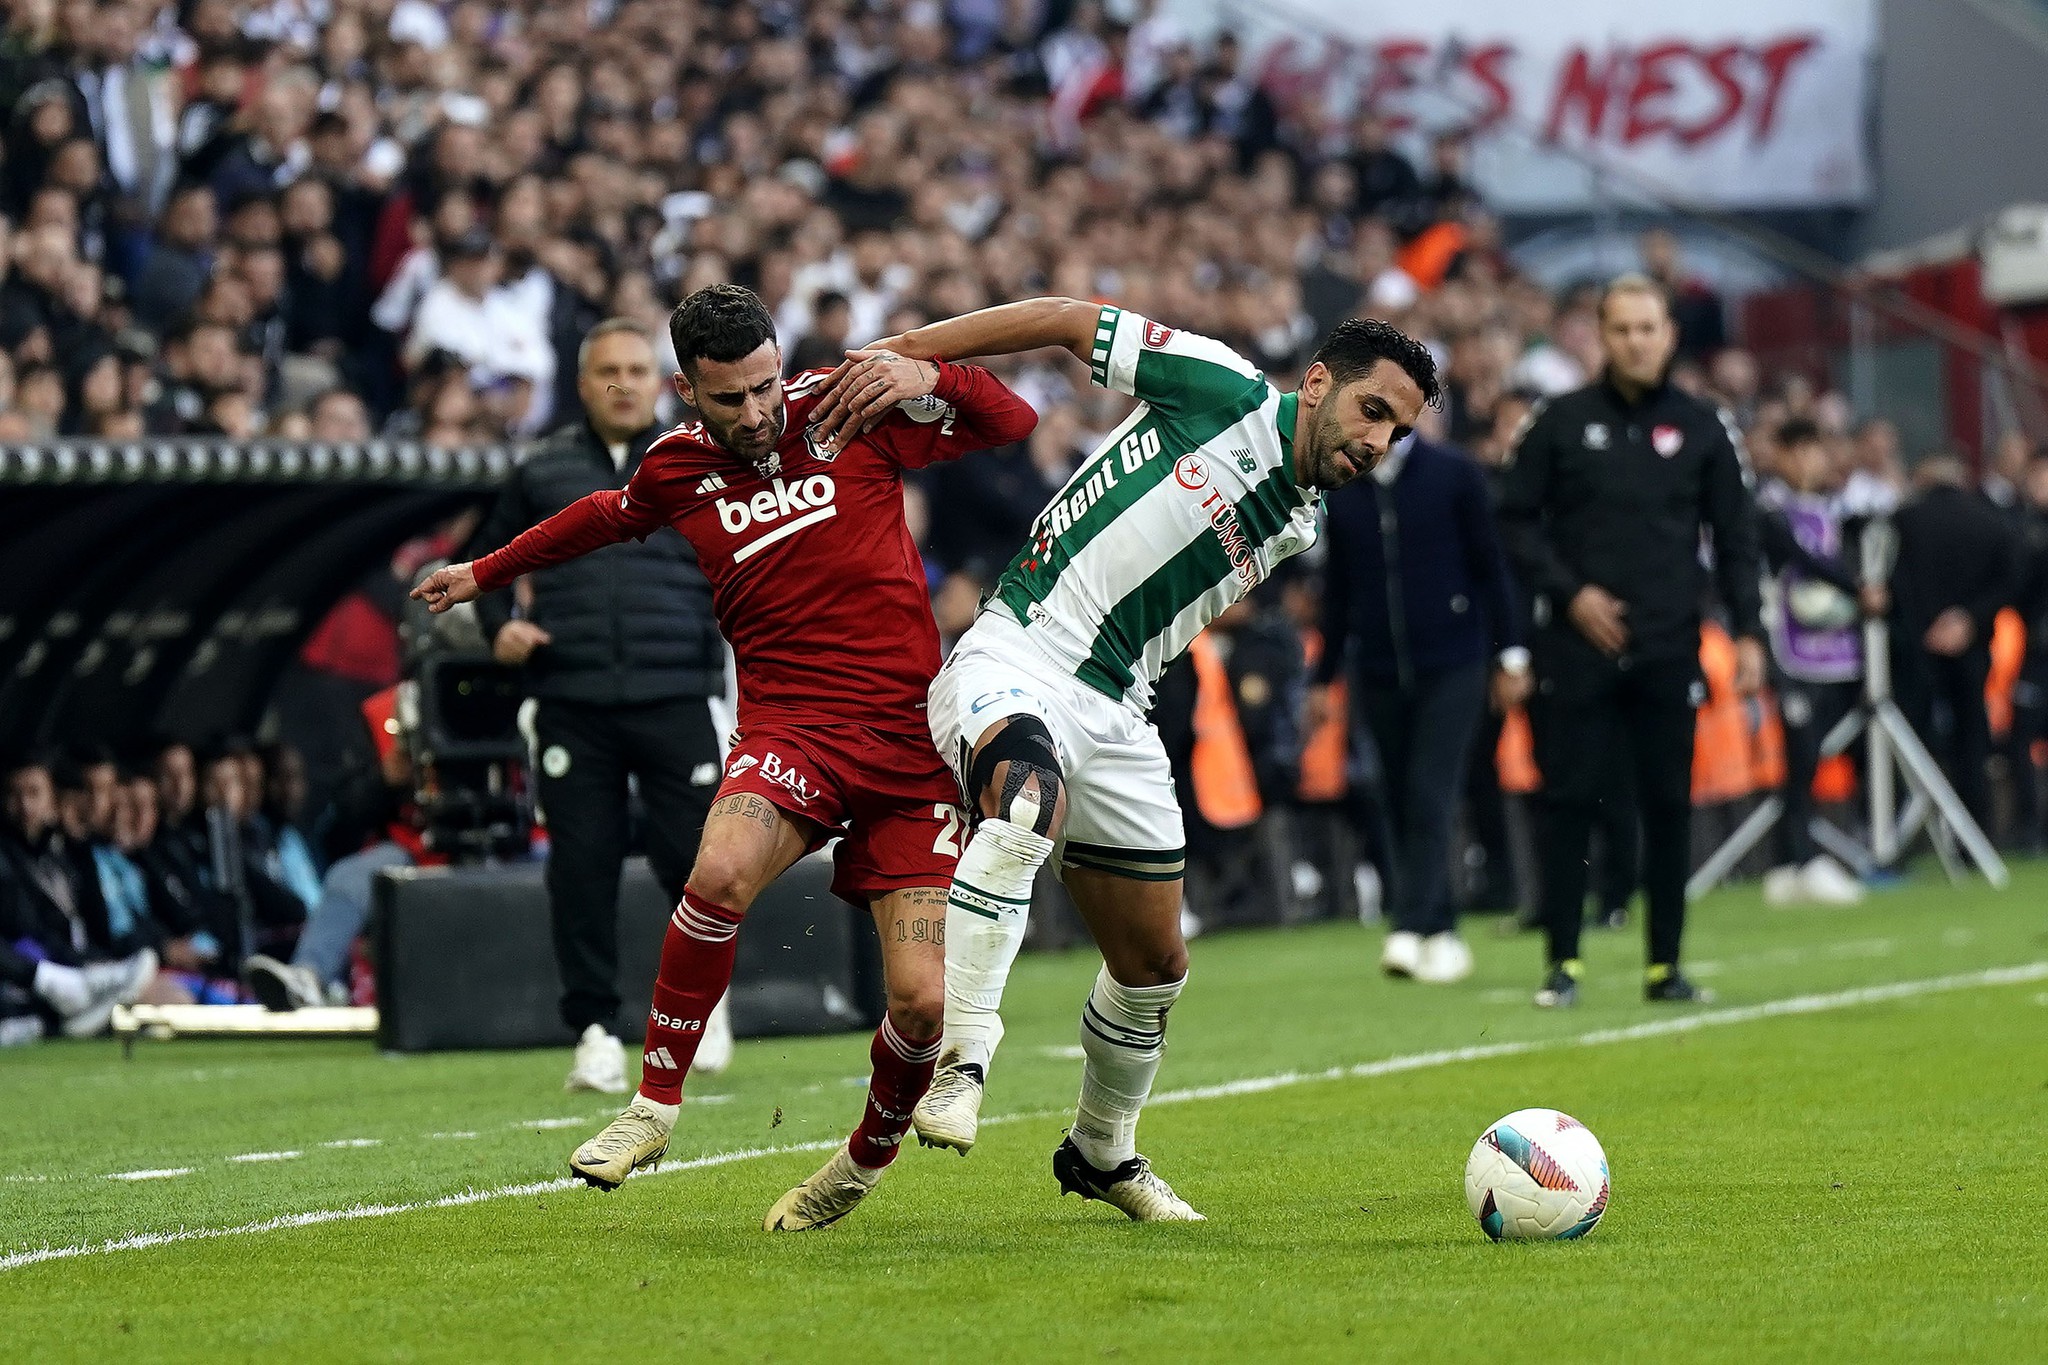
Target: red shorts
{"points": [[893, 805]]}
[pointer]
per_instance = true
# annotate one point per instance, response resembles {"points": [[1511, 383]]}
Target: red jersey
{"points": [[814, 577]]}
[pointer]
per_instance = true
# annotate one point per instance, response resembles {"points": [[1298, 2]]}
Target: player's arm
{"points": [[605, 517], [873, 379], [975, 411]]}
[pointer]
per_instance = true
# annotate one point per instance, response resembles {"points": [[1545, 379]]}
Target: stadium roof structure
{"points": [[163, 586]]}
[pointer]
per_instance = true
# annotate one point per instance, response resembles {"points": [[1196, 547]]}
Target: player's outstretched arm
{"points": [[605, 517], [852, 397]]}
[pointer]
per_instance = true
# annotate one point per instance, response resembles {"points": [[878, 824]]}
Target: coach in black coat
{"points": [[1602, 509], [1961, 559], [1418, 607], [622, 651]]}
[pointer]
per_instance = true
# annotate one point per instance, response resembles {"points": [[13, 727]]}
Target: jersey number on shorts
{"points": [[948, 841]]}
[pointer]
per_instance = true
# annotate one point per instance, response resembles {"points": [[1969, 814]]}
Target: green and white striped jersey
{"points": [[1183, 510]]}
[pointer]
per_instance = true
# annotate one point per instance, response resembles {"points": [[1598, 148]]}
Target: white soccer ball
{"points": [[1535, 1176]]}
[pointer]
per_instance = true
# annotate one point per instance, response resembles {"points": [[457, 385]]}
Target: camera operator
{"points": [[1602, 512], [1816, 651], [621, 651]]}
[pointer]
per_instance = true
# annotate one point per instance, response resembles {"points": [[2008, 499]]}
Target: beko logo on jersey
{"points": [[808, 500]]}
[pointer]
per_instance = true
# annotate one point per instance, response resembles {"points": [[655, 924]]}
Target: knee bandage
{"points": [[1026, 745]]}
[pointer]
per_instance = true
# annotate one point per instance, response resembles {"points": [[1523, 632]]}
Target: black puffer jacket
{"points": [[630, 622]]}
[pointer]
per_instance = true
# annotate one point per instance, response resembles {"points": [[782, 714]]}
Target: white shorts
{"points": [[1122, 815]]}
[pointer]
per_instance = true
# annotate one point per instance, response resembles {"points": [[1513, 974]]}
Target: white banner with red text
{"points": [[1733, 104]]}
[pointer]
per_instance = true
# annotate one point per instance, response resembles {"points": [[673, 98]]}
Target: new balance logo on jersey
{"points": [[712, 484], [659, 1060], [786, 506]]}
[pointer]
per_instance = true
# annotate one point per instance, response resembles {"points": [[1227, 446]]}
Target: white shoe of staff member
{"points": [[1403, 954], [714, 1054], [1445, 959], [1826, 882], [600, 1063]]}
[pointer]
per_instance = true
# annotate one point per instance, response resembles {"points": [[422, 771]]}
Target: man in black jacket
{"points": [[1602, 512], [1419, 606], [1960, 561], [622, 652]]}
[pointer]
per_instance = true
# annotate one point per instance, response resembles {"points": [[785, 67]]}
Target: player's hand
{"points": [[444, 587], [1749, 667], [1509, 689], [1950, 634], [1317, 707], [516, 641], [1601, 617], [866, 385]]}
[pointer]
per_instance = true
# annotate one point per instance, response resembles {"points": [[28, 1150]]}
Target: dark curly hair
{"points": [[1359, 343], [722, 322]]}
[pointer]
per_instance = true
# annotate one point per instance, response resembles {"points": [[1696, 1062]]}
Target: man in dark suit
{"points": [[1417, 602], [1960, 561]]}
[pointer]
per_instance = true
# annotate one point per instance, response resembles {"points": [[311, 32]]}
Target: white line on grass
{"points": [[165, 1174], [267, 1156], [354, 1142], [1656, 1028]]}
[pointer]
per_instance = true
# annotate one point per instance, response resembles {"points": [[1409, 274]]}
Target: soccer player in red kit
{"points": [[821, 592]]}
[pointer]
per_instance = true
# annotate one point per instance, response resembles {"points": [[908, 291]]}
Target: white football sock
{"points": [[985, 917], [667, 1113], [1123, 1031]]}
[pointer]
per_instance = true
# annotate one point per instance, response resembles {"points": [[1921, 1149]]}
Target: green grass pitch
{"points": [[1842, 1161]]}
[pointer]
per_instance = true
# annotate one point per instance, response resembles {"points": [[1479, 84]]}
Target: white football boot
{"points": [[949, 1115], [1132, 1187], [636, 1140], [828, 1196]]}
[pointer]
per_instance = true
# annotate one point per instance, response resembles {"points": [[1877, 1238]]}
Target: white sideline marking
{"points": [[538, 1124], [354, 1142], [1655, 1028], [267, 1156], [451, 1135]]}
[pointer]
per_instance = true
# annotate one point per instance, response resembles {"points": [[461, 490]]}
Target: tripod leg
{"points": [[1723, 860], [1923, 772]]}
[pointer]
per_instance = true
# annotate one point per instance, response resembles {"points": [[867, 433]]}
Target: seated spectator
{"points": [[50, 970], [372, 825], [180, 263]]}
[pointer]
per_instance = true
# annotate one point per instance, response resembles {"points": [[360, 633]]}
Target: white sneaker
{"points": [[714, 1050], [1445, 959], [600, 1063], [1781, 886], [831, 1193], [63, 988], [1827, 882], [949, 1115], [110, 984], [282, 987], [1403, 954], [636, 1140]]}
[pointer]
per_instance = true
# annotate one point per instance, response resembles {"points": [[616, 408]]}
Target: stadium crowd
{"points": [[324, 219]]}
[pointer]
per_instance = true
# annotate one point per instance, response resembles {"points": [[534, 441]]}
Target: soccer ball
{"points": [[1535, 1176]]}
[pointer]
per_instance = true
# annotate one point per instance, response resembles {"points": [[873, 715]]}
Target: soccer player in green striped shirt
{"points": [[1213, 479]]}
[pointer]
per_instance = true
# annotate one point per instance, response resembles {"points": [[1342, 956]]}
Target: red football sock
{"points": [[903, 1069], [696, 967]]}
